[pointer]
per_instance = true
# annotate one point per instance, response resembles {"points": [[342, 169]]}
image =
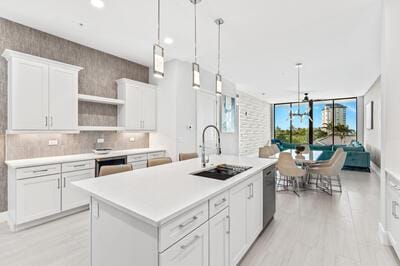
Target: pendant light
{"points": [[292, 114], [158, 52], [218, 77], [195, 65]]}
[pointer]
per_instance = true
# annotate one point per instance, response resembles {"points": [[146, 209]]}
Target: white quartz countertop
{"points": [[76, 157], [157, 194]]}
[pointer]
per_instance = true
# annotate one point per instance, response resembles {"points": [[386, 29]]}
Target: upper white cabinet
{"points": [[139, 111], [42, 94]]}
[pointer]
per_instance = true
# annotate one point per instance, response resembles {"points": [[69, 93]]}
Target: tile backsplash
{"points": [[25, 146]]}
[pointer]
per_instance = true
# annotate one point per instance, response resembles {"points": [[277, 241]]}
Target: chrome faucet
{"points": [[203, 147]]}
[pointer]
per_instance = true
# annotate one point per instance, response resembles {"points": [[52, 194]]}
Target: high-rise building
{"points": [[334, 113]]}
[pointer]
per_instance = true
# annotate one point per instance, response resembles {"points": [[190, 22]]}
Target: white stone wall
{"points": [[254, 124]]}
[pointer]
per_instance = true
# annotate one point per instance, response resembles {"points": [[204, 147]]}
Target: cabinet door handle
{"points": [[249, 186], [65, 182], [395, 204], [51, 121], [191, 242], [58, 183], [191, 220], [228, 219], [45, 120], [220, 202]]}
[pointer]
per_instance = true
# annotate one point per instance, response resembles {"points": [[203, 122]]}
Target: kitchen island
{"points": [[167, 216]]}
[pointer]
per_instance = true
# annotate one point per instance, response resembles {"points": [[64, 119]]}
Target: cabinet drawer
{"points": [[28, 172], [155, 155], [219, 203], [192, 250], [139, 165], [182, 225], [75, 166], [137, 157]]}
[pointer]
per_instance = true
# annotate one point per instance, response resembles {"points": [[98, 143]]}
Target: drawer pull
{"points": [[40, 171], [80, 165], [228, 219], [191, 220], [190, 243], [220, 202]]}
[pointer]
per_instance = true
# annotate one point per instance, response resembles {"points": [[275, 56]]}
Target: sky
{"points": [[282, 113]]}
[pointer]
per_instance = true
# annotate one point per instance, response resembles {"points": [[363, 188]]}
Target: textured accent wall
{"points": [[98, 77], [254, 124]]}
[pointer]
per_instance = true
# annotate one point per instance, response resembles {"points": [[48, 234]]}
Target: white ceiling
{"points": [[338, 41]]}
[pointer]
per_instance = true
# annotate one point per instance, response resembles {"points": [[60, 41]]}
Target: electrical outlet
{"points": [[131, 139], [100, 140], [53, 142]]}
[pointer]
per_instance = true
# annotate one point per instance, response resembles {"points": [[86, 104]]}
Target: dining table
{"points": [[302, 158]]}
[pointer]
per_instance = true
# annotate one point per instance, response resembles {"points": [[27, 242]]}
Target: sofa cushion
{"points": [[316, 147]]}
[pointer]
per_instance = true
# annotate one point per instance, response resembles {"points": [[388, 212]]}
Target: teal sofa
{"points": [[357, 159]]}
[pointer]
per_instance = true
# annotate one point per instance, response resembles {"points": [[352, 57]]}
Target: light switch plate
{"points": [[53, 142], [131, 139], [100, 140]]}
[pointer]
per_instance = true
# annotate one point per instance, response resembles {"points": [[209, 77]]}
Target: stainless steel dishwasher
{"points": [[269, 202], [109, 161]]}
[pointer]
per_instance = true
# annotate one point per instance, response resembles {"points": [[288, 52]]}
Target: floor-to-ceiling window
{"points": [[334, 122], [282, 122]]}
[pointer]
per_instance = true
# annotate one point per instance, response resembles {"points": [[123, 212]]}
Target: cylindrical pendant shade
{"points": [[158, 61], [196, 76]]}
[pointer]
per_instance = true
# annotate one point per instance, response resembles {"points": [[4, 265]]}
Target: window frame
{"points": [[311, 124]]}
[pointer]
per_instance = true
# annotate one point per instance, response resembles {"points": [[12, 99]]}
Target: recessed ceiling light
{"points": [[168, 40], [97, 3]]}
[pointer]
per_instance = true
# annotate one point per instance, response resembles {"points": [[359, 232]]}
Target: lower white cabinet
{"points": [[72, 197], [219, 239], [393, 214], [191, 250], [245, 215], [38, 197], [41, 193]]}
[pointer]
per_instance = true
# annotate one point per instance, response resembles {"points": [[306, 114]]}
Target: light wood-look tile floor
{"points": [[313, 230], [319, 230]]}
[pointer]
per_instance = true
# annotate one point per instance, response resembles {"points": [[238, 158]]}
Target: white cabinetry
{"points": [[246, 216], [41, 193], [72, 197], [393, 213], [42, 94], [219, 239], [139, 111], [191, 250], [38, 197]]}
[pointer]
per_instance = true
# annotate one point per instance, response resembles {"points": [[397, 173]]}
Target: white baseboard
{"points": [[383, 235], [3, 217], [375, 168]]}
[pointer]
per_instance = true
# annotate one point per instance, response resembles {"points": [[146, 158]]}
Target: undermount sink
{"points": [[222, 171]]}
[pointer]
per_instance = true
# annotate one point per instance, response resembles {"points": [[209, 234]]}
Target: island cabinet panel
{"points": [[180, 226], [254, 209], [192, 250], [237, 210], [120, 239], [219, 239], [245, 216]]}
